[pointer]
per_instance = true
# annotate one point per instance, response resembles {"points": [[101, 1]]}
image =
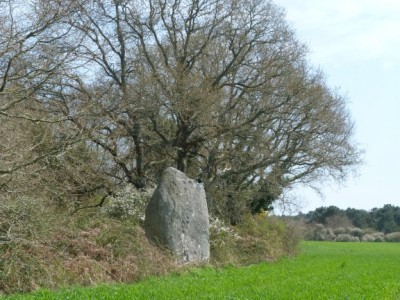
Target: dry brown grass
{"points": [[50, 248], [83, 249]]}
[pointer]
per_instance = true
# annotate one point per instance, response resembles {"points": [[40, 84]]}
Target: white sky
{"points": [[357, 44]]}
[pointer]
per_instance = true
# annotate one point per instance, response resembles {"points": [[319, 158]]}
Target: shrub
{"points": [[228, 204], [329, 231], [20, 271], [323, 234], [368, 238], [128, 203], [339, 230], [356, 232], [257, 238], [392, 237], [49, 248], [369, 230], [347, 238], [373, 237], [220, 228], [379, 236], [278, 237], [223, 242], [23, 222], [338, 220], [308, 232], [299, 227]]}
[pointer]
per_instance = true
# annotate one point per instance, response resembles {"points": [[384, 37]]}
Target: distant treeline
{"points": [[385, 219]]}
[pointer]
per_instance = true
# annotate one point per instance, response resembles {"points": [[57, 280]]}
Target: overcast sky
{"points": [[357, 44]]}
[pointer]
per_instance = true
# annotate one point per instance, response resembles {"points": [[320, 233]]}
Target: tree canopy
{"points": [[220, 89], [385, 219]]}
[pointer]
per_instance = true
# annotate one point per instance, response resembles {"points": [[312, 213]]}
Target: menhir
{"points": [[177, 216]]}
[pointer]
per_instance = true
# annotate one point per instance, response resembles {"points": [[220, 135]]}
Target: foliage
{"points": [[257, 238], [379, 236], [227, 204], [356, 232], [128, 203], [96, 95], [99, 94], [323, 234], [360, 218], [374, 237], [345, 237], [392, 237], [320, 232], [43, 245], [339, 230], [223, 240], [323, 270], [29, 61], [385, 219]]}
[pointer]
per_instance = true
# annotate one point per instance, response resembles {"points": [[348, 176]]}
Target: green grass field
{"points": [[323, 270]]}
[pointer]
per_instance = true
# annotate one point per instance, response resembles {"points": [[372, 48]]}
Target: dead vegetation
{"points": [[44, 246]]}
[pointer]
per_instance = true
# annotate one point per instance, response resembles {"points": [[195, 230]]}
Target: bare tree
{"points": [[30, 57], [234, 99], [221, 89], [97, 97]]}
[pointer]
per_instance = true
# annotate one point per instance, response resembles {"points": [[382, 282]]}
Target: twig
{"points": [[100, 204]]}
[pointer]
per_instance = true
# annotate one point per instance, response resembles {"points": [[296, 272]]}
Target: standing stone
{"points": [[177, 216]]}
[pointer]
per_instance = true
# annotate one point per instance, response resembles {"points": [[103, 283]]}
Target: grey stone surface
{"points": [[177, 216]]}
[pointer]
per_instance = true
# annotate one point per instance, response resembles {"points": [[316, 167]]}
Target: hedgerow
{"points": [[43, 245]]}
